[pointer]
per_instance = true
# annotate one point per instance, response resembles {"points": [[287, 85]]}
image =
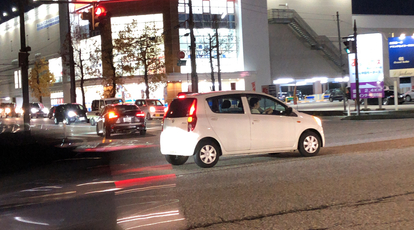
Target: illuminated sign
{"points": [[401, 55], [370, 67]]}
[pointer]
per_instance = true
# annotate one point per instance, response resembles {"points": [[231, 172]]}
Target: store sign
{"points": [[401, 55], [370, 67]]}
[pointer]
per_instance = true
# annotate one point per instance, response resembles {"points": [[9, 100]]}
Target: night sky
{"points": [[390, 7]]}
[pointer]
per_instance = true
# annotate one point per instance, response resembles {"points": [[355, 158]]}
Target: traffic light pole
{"points": [[356, 69], [24, 64]]}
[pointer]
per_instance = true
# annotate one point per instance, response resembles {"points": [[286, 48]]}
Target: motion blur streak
{"points": [[105, 190], [115, 148], [94, 183], [150, 168], [29, 222], [143, 180], [162, 222], [145, 189], [148, 216]]}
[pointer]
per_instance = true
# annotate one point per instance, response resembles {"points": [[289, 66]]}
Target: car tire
{"points": [[142, 132], [56, 121], [92, 121], [149, 116], [309, 144], [97, 132], [331, 99], [176, 160], [106, 131], [206, 154], [408, 98], [67, 121]]}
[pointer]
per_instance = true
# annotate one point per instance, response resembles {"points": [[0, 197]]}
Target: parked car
{"points": [[70, 113], [409, 95], [98, 105], [336, 95], [8, 110], [153, 108], [387, 100], [208, 125], [37, 110], [120, 118]]}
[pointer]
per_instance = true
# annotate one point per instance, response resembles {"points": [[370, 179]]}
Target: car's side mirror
{"points": [[288, 111]]}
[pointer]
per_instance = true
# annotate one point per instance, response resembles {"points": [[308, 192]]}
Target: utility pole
{"points": [[24, 64], [194, 77], [217, 23], [210, 49], [340, 57], [356, 69], [71, 63]]}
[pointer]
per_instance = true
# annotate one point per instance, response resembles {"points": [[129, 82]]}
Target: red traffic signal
{"points": [[100, 11]]}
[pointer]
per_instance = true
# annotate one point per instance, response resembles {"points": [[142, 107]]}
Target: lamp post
{"points": [[194, 77]]}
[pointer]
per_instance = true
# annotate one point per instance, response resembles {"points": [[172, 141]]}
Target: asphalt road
{"points": [[360, 180]]}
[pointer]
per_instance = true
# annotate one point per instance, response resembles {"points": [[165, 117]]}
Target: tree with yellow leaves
{"points": [[41, 79]]}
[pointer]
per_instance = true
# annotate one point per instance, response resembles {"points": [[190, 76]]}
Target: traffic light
{"points": [[88, 16], [350, 46], [99, 15]]}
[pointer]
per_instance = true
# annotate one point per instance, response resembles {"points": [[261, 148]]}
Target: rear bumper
{"points": [[128, 127], [178, 142]]}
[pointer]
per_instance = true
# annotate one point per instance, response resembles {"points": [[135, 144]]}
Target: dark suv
{"points": [[70, 113]]}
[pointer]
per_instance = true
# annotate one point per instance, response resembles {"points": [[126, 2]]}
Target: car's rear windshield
{"points": [[122, 108], [114, 101], [179, 107]]}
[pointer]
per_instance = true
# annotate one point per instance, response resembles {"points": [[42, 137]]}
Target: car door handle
{"points": [[214, 118]]}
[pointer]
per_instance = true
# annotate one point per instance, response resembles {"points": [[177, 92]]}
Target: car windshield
{"points": [[75, 107], [114, 101], [154, 102]]}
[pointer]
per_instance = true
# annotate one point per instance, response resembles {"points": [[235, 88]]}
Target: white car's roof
{"points": [[218, 93]]}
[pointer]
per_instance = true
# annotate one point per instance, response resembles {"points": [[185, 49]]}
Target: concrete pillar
{"points": [[317, 87]]}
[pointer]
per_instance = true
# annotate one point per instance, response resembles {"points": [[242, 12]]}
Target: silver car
{"points": [[153, 108]]}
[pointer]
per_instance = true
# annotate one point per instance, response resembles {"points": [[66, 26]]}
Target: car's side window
{"points": [[265, 105], [226, 104]]}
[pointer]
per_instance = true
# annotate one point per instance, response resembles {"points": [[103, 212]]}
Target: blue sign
{"points": [[47, 23], [401, 52]]}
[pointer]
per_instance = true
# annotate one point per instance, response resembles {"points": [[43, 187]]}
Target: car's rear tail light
{"points": [[112, 115], [192, 118], [140, 114]]}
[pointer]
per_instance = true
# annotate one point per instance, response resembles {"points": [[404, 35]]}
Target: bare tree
{"points": [[141, 51], [41, 79]]}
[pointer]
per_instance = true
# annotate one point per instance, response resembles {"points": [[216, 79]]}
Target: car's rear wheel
{"points": [[206, 154], [92, 121], [309, 144], [331, 99], [106, 131], [56, 121], [142, 132], [176, 160]]}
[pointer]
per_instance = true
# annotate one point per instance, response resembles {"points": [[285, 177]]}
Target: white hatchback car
{"points": [[208, 125]]}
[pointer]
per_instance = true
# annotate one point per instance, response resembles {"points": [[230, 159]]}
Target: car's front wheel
{"points": [[97, 131], [331, 99], [92, 121], [408, 98], [309, 144], [206, 154], [176, 160]]}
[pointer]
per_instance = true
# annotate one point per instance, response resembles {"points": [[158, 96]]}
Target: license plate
{"points": [[81, 118], [157, 115], [127, 119]]}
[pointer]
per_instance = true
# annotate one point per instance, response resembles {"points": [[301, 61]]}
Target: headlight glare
{"points": [[45, 110], [8, 110], [318, 121], [34, 110], [71, 114], [152, 109]]}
